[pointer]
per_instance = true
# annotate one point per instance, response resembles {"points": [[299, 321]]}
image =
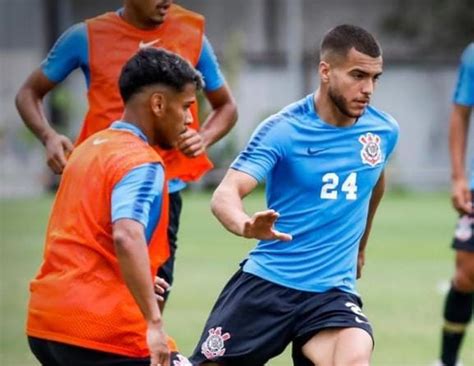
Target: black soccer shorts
{"points": [[50, 353], [254, 320], [464, 233]]}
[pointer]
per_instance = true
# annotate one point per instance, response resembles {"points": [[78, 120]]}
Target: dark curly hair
{"points": [[156, 66]]}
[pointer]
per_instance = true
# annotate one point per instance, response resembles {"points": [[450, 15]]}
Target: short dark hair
{"points": [[156, 66], [342, 38]]}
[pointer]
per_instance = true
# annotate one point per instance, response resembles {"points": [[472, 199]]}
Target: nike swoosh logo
{"points": [[143, 44], [99, 141], [314, 151]]}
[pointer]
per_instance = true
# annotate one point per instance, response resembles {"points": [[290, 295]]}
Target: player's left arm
{"points": [[136, 197], [133, 198], [224, 109], [132, 255], [377, 195]]}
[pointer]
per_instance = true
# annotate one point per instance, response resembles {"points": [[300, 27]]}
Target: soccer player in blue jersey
{"points": [[73, 51], [323, 159], [460, 298]]}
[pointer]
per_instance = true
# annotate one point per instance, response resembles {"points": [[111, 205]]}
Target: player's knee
{"points": [[353, 348], [463, 281], [358, 362], [354, 359], [357, 357]]}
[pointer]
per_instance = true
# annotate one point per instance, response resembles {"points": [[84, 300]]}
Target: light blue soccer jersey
{"points": [[464, 92], [319, 178]]}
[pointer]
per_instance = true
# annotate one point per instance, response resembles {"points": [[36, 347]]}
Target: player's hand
{"points": [[157, 344], [191, 143], [58, 148], [360, 263], [260, 226], [160, 287], [461, 196]]}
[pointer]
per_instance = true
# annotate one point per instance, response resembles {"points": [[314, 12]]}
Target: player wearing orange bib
{"points": [[93, 300]]}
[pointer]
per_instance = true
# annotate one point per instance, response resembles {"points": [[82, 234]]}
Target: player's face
{"points": [[152, 12], [352, 82], [176, 116]]}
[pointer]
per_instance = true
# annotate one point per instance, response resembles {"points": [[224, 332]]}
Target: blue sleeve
{"points": [[464, 92], [176, 185], [263, 151], [138, 194], [209, 67], [68, 53]]}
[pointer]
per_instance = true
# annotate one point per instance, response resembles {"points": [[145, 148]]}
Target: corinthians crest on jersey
{"points": [[371, 152]]}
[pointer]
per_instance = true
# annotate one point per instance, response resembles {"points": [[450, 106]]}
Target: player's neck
{"points": [[141, 122], [131, 18], [329, 112]]}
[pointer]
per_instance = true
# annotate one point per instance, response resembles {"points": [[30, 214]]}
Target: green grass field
{"points": [[408, 262]]}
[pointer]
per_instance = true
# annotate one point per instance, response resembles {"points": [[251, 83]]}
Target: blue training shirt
{"points": [[319, 177], [137, 196], [464, 92], [71, 51]]}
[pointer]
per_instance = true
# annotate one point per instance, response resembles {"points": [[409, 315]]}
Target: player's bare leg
{"points": [[464, 277], [335, 347]]}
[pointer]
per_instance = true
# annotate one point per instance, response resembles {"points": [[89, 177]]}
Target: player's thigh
{"points": [[342, 346], [321, 317], [464, 275], [320, 348]]}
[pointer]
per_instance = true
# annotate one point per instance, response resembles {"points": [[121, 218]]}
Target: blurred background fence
{"points": [[267, 49]]}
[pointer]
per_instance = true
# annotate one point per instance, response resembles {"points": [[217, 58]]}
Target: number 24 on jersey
{"points": [[330, 188]]}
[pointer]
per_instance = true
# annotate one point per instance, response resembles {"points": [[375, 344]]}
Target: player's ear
{"points": [[324, 71], [158, 103]]}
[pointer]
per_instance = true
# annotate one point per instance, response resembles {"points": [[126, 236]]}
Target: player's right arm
{"points": [[458, 130], [29, 102], [227, 206], [265, 148], [69, 53]]}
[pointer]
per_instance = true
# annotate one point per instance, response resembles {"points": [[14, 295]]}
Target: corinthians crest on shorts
{"points": [[213, 346], [370, 153], [464, 228]]}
